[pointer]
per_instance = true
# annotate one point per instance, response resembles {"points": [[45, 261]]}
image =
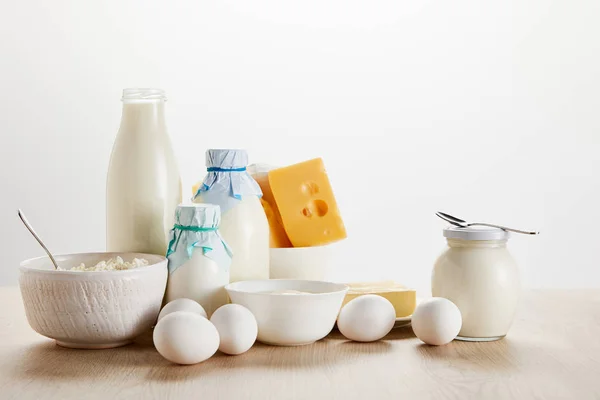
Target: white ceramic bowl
{"points": [[290, 319], [96, 309], [309, 263]]}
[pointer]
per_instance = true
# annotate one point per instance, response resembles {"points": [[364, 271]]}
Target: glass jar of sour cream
{"points": [[478, 274]]}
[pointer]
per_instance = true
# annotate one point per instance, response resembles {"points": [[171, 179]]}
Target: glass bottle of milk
{"points": [[199, 259], [143, 184], [244, 225]]}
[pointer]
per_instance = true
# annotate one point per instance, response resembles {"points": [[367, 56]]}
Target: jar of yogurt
{"points": [[478, 274], [199, 259]]}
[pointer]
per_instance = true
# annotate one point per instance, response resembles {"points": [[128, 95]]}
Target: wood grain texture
{"points": [[552, 352]]}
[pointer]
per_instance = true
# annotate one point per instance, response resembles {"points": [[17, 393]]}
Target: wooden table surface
{"points": [[552, 352]]}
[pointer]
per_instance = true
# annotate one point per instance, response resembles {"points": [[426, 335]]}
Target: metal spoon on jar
{"points": [[465, 224], [28, 226]]}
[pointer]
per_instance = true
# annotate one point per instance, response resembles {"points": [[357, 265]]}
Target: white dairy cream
{"points": [[287, 292], [113, 264]]}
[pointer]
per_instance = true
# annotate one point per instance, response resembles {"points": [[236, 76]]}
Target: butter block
{"points": [[306, 204], [403, 299]]}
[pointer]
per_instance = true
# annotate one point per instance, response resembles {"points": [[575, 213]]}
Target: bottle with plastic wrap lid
{"points": [[244, 225], [199, 258]]}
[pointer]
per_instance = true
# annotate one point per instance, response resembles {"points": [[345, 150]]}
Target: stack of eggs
{"points": [[184, 334]]}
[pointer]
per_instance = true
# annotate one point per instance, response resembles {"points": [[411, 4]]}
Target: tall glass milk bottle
{"points": [[244, 225], [143, 186]]}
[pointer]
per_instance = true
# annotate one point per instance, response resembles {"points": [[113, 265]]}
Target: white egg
{"points": [[183, 337], [182, 305], [367, 318], [237, 328], [436, 321]]}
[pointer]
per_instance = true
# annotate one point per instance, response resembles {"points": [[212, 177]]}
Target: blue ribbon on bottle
{"points": [[217, 169]]}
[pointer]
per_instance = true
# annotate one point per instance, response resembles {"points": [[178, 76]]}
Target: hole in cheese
{"points": [[315, 207], [321, 207], [309, 188]]}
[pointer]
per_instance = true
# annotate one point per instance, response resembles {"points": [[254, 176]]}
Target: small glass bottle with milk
{"points": [[244, 225], [143, 185], [478, 274], [199, 259]]}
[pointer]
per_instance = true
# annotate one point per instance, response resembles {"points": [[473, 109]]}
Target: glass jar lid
{"points": [[475, 233]]}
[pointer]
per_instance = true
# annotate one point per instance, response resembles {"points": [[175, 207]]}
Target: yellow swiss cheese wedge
{"points": [[404, 300], [306, 204], [278, 237]]}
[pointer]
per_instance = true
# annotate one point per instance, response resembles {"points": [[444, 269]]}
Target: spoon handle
{"points": [[504, 228], [26, 223]]}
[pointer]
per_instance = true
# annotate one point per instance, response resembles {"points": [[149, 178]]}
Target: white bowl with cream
{"points": [[92, 309], [290, 312]]}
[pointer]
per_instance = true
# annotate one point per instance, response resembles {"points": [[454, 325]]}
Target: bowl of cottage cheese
{"points": [[94, 300]]}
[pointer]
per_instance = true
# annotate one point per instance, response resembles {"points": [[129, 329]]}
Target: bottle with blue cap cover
{"points": [[199, 258], [244, 225]]}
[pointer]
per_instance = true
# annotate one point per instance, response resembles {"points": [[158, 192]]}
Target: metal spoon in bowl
{"points": [[22, 216], [465, 224]]}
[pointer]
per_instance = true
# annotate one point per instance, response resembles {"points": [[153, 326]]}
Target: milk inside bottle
{"points": [[244, 224], [143, 184], [199, 259]]}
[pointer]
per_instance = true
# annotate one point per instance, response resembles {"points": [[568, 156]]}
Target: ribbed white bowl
{"points": [[92, 310]]}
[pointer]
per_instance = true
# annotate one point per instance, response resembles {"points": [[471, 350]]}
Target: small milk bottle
{"points": [[199, 259], [244, 225], [143, 186]]}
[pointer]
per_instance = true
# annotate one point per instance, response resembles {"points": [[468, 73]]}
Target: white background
{"points": [[486, 109]]}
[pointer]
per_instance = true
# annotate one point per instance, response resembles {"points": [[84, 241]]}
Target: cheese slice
{"points": [[403, 299], [306, 204], [278, 237]]}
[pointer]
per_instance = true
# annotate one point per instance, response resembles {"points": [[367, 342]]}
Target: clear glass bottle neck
{"points": [[460, 243], [140, 95], [143, 109]]}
